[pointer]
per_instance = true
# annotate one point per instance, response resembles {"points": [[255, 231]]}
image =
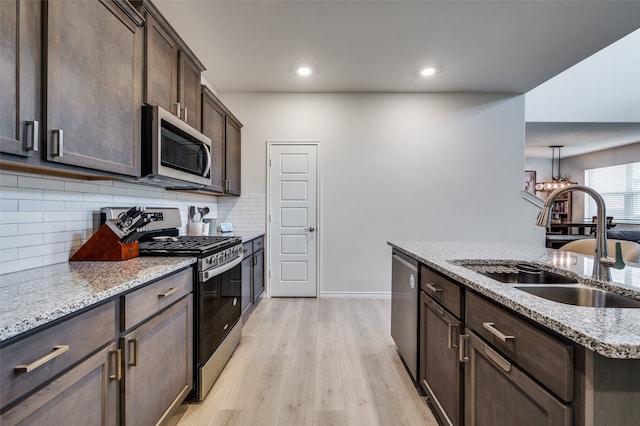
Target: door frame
{"points": [[318, 231]]}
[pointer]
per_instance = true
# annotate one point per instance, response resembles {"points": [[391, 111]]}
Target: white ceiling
{"points": [[380, 46]]}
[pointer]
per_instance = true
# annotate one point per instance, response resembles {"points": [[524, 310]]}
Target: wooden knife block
{"points": [[105, 245]]}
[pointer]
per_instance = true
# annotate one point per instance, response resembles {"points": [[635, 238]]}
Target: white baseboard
{"points": [[354, 295]]}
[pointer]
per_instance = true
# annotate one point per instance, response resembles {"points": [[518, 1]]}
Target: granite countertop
{"points": [[611, 332], [31, 298]]}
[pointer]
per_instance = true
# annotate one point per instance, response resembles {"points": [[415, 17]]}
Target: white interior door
{"points": [[293, 202]]}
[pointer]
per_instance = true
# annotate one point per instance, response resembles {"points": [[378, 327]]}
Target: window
{"points": [[620, 188]]}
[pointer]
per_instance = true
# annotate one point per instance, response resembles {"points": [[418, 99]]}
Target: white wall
{"points": [[603, 88], [397, 167], [45, 219]]}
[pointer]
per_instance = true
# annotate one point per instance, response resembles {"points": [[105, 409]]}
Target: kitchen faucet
{"points": [[600, 256]]}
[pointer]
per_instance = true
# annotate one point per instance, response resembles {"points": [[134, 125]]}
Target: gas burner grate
{"points": [[200, 245]]}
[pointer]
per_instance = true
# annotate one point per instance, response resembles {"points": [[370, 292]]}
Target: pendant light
{"points": [[557, 180]]}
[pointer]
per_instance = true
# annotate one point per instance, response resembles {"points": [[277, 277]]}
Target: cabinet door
{"points": [[85, 395], [189, 91], [94, 75], [158, 364], [20, 63], [213, 126], [440, 369], [232, 154], [247, 288], [498, 393], [258, 273], [161, 71]]}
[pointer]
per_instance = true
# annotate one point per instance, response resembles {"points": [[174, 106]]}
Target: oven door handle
{"points": [[210, 273]]}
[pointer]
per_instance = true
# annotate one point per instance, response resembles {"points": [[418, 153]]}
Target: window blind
{"points": [[620, 187]]}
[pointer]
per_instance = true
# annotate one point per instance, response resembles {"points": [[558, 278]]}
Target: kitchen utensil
{"points": [[126, 218], [203, 212], [192, 213]]}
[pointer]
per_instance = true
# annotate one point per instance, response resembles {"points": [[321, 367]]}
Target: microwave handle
{"points": [[208, 166]]}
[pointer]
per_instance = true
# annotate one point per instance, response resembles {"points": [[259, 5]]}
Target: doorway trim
{"points": [[319, 227]]}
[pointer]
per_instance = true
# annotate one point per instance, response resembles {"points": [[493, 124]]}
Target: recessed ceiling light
{"points": [[427, 72], [304, 71]]}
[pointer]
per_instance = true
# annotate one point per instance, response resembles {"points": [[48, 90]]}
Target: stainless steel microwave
{"points": [[174, 154]]}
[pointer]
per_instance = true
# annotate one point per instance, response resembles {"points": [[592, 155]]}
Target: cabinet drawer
{"points": [[145, 302], [247, 249], [79, 335], [446, 292], [541, 355], [258, 243]]}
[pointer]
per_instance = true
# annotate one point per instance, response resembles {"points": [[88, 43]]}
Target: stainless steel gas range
{"points": [[217, 290]]}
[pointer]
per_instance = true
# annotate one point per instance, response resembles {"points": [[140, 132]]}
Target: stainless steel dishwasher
{"points": [[404, 309]]}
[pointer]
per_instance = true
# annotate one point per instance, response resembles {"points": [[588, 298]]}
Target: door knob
{"points": [[310, 229]]}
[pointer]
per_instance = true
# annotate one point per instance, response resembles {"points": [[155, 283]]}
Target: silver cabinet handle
{"points": [[309, 229], [32, 138], [433, 288], [226, 185], [177, 104], [208, 166], [135, 352], [497, 359], [58, 142], [118, 355], [462, 356], [491, 327], [56, 352], [185, 114], [168, 292]]}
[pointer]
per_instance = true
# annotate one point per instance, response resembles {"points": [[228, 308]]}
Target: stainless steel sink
{"points": [[580, 295], [519, 274]]}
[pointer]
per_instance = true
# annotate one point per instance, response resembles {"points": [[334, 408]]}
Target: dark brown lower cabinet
{"points": [[158, 366], [440, 370], [85, 395], [499, 393]]}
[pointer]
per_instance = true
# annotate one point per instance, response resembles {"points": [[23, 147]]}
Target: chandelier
{"points": [[557, 180]]}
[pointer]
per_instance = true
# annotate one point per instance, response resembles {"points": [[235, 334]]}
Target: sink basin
{"points": [[519, 274], [580, 295]]}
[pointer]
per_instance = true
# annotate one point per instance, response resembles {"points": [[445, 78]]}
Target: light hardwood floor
{"points": [[313, 362]]}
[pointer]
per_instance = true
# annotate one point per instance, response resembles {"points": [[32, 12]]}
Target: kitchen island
{"points": [[516, 358]]}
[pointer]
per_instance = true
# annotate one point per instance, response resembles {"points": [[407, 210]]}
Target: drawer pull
{"points": [[462, 356], [433, 288], [497, 359], [118, 373], [491, 327], [56, 352], [453, 331], [437, 308], [134, 351], [168, 293]]}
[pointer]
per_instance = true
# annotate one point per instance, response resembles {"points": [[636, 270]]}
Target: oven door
{"points": [[219, 309]]}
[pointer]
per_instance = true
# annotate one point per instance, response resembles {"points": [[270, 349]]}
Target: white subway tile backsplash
{"points": [[8, 180], [21, 241], [8, 205], [40, 228], [9, 229], [44, 219], [20, 217], [41, 205], [40, 183], [75, 186], [10, 193]]}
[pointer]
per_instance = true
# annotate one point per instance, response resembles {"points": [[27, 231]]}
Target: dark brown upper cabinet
{"points": [[219, 124], [93, 85], [172, 72], [20, 77]]}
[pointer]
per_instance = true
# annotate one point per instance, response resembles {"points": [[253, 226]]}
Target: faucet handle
{"points": [[619, 263]]}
